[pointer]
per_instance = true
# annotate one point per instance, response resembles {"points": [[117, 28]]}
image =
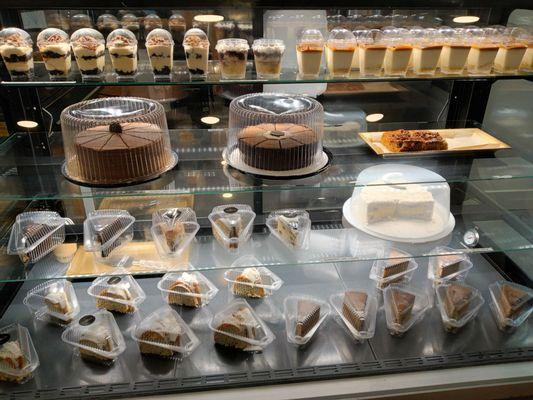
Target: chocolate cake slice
{"points": [[396, 265], [353, 308], [32, 234], [402, 305], [107, 232], [457, 300], [448, 264], [307, 316], [513, 300]]}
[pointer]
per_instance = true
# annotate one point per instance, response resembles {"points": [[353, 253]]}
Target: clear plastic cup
{"points": [[16, 49], [309, 50], [340, 48], [372, 50], [511, 51], [398, 53], [233, 55], [427, 48], [54, 46], [267, 55], [196, 46], [455, 50], [88, 46], [160, 48], [483, 50], [122, 47]]}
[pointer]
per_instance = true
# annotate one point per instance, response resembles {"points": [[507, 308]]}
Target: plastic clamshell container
{"points": [[173, 229], [262, 335], [19, 334], [36, 234], [401, 203], [523, 306], [120, 293], [475, 301], [157, 334], [270, 282], [96, 336], [104, 231], [443, 257], [382, 284], [41, 299], [206, 288], [293, 229], [232, 225], [420, 306], [290, 311], [399, 262], [369, 314]]}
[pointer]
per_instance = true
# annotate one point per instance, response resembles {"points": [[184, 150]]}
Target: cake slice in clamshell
{"points": [[511, 304], [54, 46], [303, 317], [18, 358], [16, 49], [458, 303], [190, 289], [404, 307]]}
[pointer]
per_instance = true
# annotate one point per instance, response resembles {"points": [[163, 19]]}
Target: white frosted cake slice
{"points": [[416, 204]]}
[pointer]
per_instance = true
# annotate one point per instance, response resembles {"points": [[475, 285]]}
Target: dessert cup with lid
{"points": [[54, 46], [88, 46], [309, 50], [267, 56], [151, 22], [16, 49], [340, 49], [398, 53], [233, 55], [455, 50], [160, 48], [122, 47], [79, 21], [427, 48], [372, 50], [177, 27], [130, 22], [511, 51], [196, 46]]}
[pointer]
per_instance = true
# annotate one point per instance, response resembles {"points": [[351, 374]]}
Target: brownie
{"points": [[278, 147], [403, 140]]}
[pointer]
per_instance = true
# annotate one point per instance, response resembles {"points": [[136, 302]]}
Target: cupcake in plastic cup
{"points": [[54, 46], [483, 50], [267, 55], [309, 51], [16, 48], [122, 47], [372, 50], [160, 49], [196, 46], [233, 54], [88, 46], [426, 51], [511, 51], [455, 50], [340, 49], [398, 51]]}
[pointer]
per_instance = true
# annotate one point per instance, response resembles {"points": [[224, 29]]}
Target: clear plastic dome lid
{"points": [[121, 38], [232, 45], [452, 35], [15, 37], [311, 37], [107, 20], [81, 20], [176, 19], [159, 37], [268, 45], [225, 25], [87, 37], [52, 36], [129, 20], [276, 104], [153, 21], [393, 35], [340, 37], [195, 37]]}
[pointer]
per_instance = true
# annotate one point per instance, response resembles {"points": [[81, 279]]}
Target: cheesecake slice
{"points": [[353, 308], [402, 305], [307, 316]]}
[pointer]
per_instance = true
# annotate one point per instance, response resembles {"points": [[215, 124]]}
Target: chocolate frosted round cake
{"points": [[116, 141], [278, 147]]}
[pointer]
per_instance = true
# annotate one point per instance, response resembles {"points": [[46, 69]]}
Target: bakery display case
{"points": [[220, 197]]}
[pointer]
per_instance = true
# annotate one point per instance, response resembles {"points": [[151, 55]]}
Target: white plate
{"points": [[403, 231]]}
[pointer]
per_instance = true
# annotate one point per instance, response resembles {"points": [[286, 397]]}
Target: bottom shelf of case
{"points": [[332, 353]]}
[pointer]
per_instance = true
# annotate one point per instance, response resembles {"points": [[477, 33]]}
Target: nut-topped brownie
{"points": [[403, 140]]}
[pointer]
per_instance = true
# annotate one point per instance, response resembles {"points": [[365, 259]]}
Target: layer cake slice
{"points": [[457, 300], [307, 316], [402, 305], [353, 308]]}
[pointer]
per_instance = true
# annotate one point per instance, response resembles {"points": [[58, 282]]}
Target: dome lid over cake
{"points": [[121, 38], [87, 36], [176, 19], [159, 36], [275, 104], [52, 36]]}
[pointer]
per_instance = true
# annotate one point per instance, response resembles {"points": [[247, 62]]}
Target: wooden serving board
{"points": [[146, 258], [459, 140]]}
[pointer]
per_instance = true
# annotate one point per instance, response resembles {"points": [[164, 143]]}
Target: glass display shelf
{"points": [[331, 354], [202, 170], [180, 76]]}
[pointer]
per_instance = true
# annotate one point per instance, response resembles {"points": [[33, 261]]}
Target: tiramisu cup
{"points": [[130, 22], [79, 21], [267, 55], [88, 46], [54, 46], [483, 50], [426, 51], [16, 48], [309, 50], [398, 52], [196, 46], [455, 51], [177, 27], [106, 23], [122, 47], [232, 54], [511, 51], [160, 48], [152, 21], [340, 48], [372, 50]]}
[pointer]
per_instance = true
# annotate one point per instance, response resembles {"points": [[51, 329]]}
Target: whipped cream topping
{"points": [[252, 274], [11, 350], [190, 279], [158, 41], [88, 42], [195, 41]]}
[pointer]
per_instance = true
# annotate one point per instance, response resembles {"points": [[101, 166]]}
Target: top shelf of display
{"points": [[364, 54]]}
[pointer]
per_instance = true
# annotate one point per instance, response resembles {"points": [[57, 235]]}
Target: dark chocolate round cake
{"points": [[278, 147]]}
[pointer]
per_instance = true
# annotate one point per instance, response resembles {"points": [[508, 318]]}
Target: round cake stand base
{"points": [[232, 158], [124, 183]]}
